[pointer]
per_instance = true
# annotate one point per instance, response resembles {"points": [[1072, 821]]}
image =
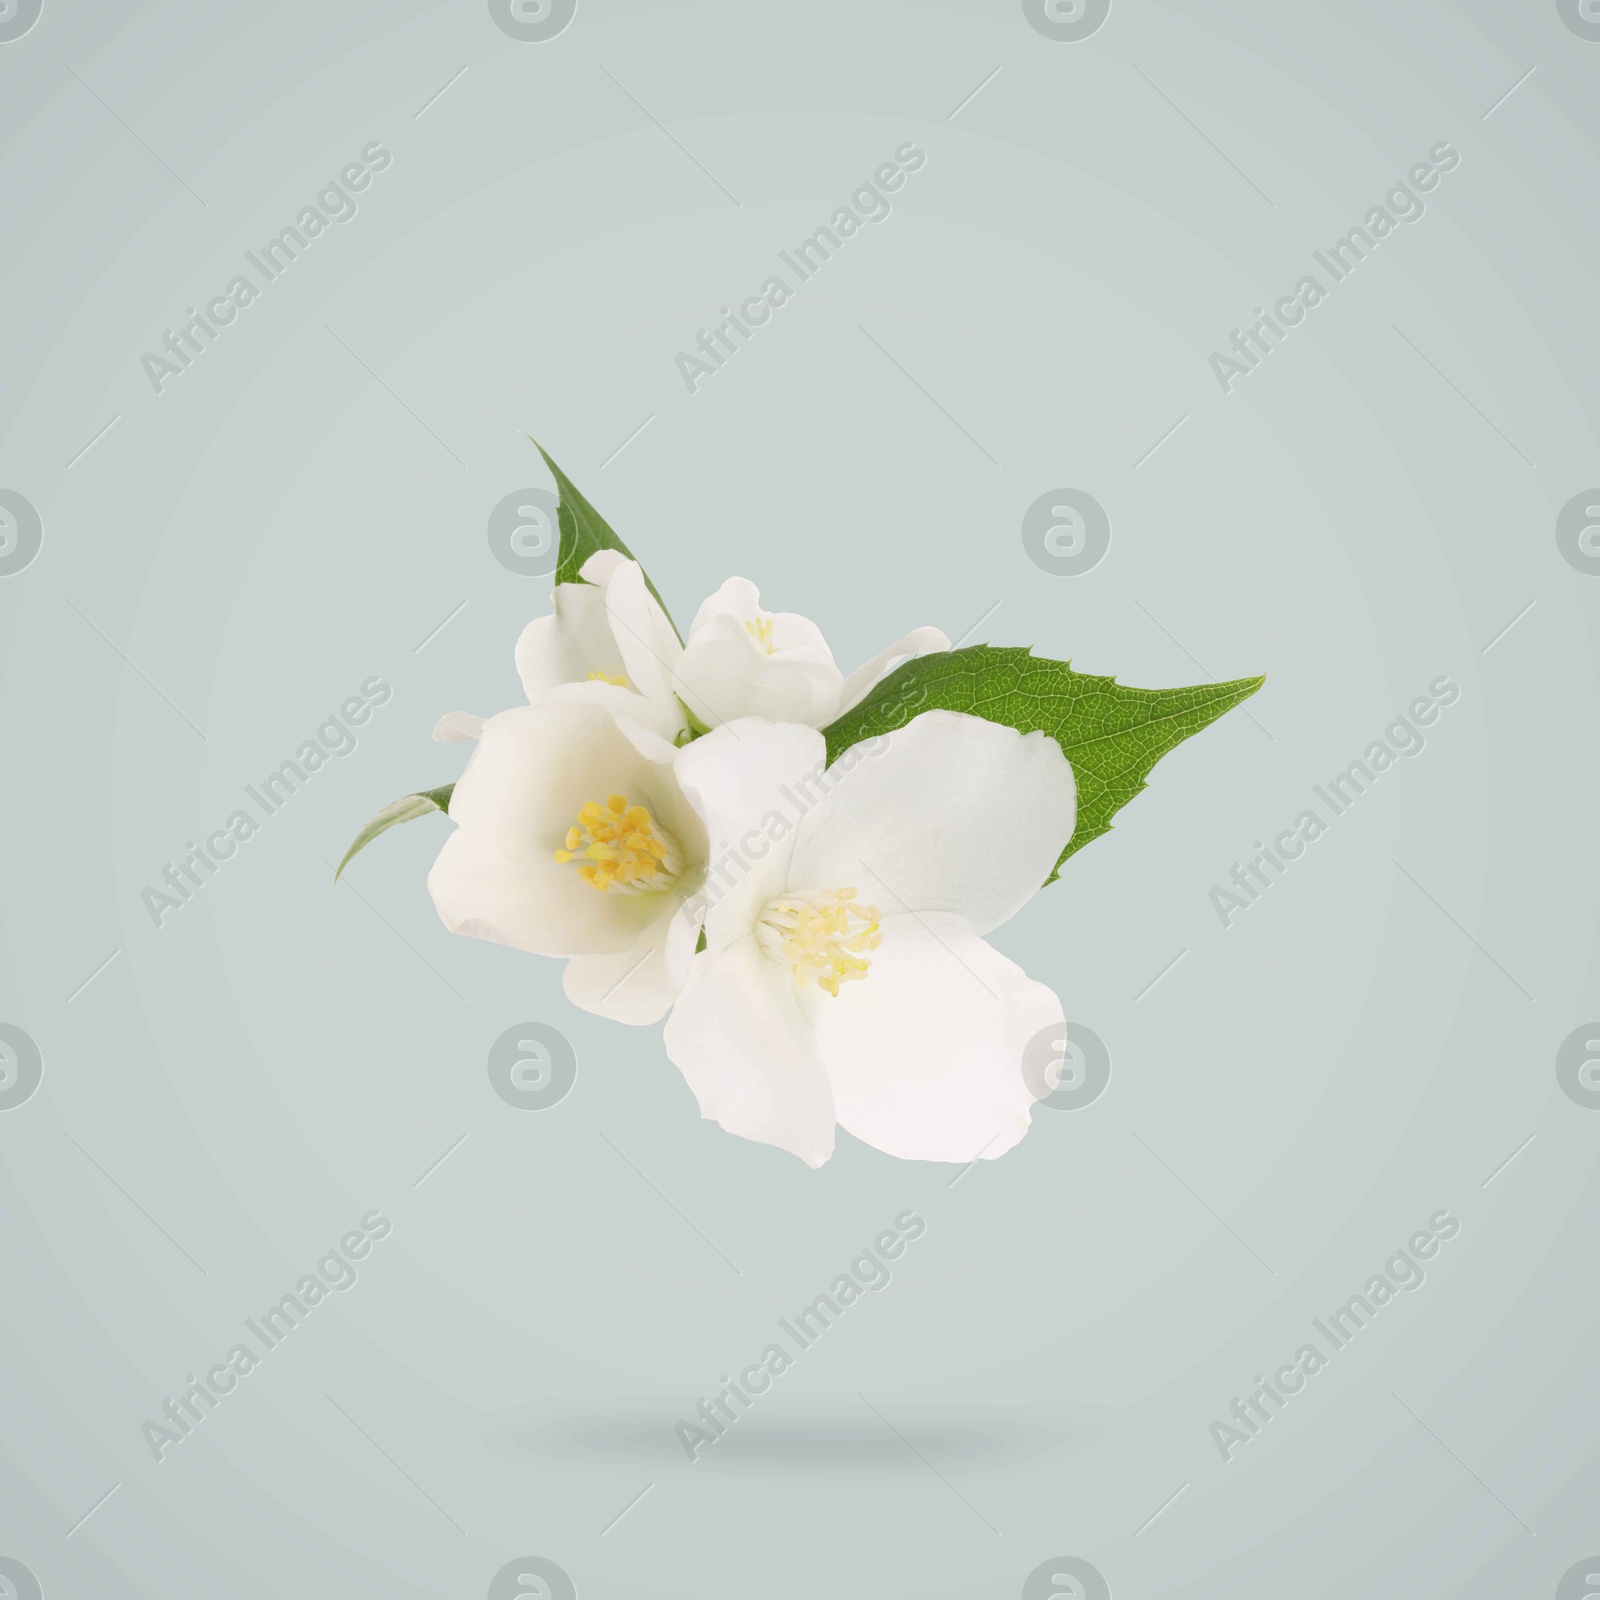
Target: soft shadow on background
{"points": [[827, 1437]]}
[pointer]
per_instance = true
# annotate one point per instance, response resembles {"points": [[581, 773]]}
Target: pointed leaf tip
{"points": [[584, 531], [397, 811]]}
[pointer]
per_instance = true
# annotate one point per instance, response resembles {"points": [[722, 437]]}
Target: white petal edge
{"points": [[737, 1035], [639, 985], [535, 765], [644, 637], [861, 682], [456, 727], [949, 813], [664, 719], [601, 567], [536, 906], [724, 675], [925, 1054], [738, 598], [565, 646]]}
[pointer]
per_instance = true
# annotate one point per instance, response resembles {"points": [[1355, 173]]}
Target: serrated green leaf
{"points": [[1112, 735], [584, 531], [404, 809]]}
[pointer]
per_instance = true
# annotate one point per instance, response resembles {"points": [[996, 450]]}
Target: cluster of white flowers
{"points": [[843, 979]]}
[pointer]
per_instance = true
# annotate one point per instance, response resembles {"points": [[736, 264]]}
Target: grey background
{"points": [[225, 1095]]}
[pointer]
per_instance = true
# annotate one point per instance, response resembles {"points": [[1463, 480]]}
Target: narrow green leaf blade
{"points": [[1112, 734], [402, 810], [584, 531]]}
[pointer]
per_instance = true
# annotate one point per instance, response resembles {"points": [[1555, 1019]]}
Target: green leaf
{"points": [[696, 728], [1112, 735], [584, 531], [401, 810]]}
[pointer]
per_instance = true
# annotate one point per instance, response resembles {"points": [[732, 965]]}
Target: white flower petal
{"points": [[649, 648], [639, 985], [747, 781], [736, 1035], [861, 682], [458, 726], [925, 1052], [607, 638], [737, 598], [569, 644], [663, 718], [539, 906], [949, 813], [726, 672], [658, 789], [793, 634], [534, 766], [602, 566]]}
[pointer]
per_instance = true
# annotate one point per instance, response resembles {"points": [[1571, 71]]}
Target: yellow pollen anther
{"points": [[761, 631], [621, 846], [825, 939], [621, 679]]}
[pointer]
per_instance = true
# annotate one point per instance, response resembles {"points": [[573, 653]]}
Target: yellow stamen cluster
{"points": [[761, 631], [621, 847], [621, 679], [826, 939]]}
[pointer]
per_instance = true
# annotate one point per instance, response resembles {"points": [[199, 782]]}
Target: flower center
{"points": [[761, 631], [825, 939], [621, 679], [622, 847]]}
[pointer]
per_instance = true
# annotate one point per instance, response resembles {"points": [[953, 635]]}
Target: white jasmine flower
{"points": [[845, 977], [741, 661], [573, 839]]}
